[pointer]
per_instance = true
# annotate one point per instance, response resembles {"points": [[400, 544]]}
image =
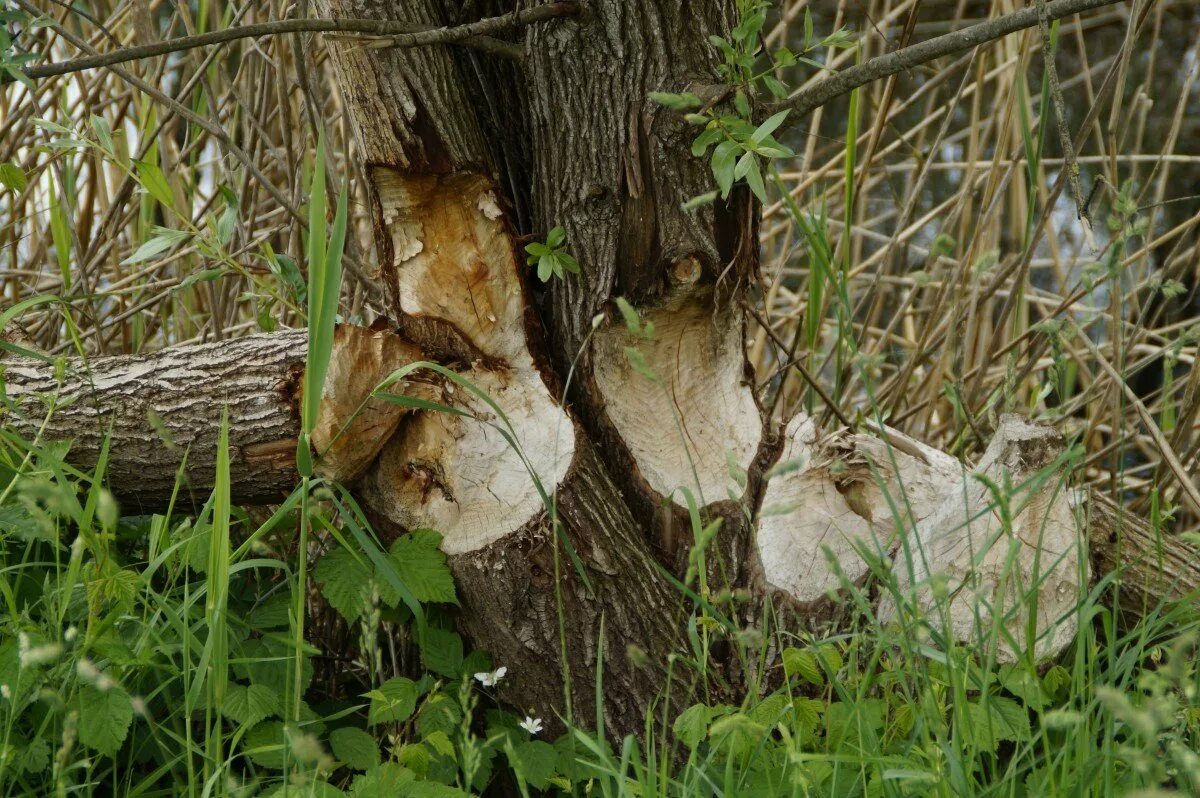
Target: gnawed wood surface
{"points": [[1002, 556], [832, 495], [681, 403], [449, 264], [456, 186]]}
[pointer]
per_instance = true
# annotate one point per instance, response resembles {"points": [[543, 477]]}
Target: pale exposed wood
{"points": [[1005, 558], [836, 495], [681, 403], [449, 264], [351, 425]]}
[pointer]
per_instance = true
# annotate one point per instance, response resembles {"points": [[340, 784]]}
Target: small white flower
{"points": [[491, 679], [5, 691], [69, 635], [532, 725]]}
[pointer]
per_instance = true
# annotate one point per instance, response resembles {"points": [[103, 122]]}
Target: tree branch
{"points": [[897, 61], [397, 34]]}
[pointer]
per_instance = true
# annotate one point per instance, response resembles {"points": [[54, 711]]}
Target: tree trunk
{"points": [[570, 499]]}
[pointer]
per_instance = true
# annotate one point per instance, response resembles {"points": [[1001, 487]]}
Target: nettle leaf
{"points": [[533, 762], [691, 727], [16, 521], [250, 705], [104, 718], [345, 582], [35, 757], [994, 719], [355, 747], [265, 744], [442, 652], [422, 566], [803, 664], [771, 710], [439, 713], [387, 779], [855, 724], [393, 702], [271, 613], [738, 733], [808, 712], [431, 789]]}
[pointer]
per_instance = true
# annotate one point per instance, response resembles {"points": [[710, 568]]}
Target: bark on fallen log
{"points": [[163, 411]]}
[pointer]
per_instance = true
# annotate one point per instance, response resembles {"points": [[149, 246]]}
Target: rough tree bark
{"points": [[466, 156]]}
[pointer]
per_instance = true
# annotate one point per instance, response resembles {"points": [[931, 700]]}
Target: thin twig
{"points": [[891, 63], [395, 34], [1060, 114]]}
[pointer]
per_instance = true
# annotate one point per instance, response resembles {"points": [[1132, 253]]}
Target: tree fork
{"points": [[449, 265]]}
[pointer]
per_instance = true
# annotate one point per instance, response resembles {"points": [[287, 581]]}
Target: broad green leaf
{"points": [[12, 177], [271, 613], [345, 582], [996, 718], [422, 566], [439, 714], [393, 702], [265, 744], [355, 747], [803, 664], [388, 779], [250, 705], [533, 762], [692, 724], [724, 161], [104, 718], [442, 652]]}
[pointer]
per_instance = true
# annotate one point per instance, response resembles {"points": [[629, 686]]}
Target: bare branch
{"points": [[391, 34], [897, 61]]}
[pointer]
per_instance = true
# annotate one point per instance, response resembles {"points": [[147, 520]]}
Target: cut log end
{"points": [[352, 426], [472, 477]]}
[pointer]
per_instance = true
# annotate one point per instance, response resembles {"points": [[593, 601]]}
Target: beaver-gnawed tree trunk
{"points": [[468, 155]]}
